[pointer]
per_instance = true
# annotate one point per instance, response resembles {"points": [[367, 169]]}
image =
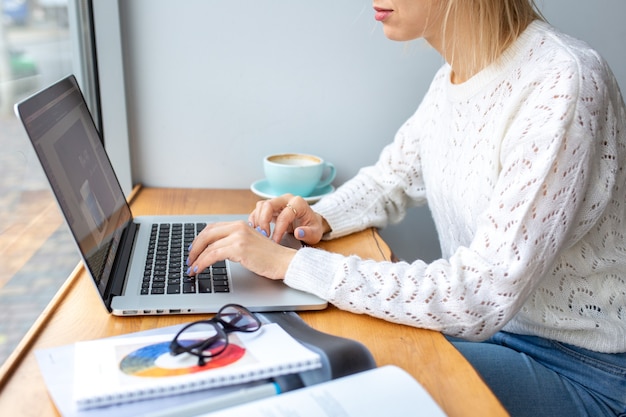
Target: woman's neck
{"points": [[458, 46], [453, 45]]}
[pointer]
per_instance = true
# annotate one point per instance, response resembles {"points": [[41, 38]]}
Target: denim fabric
{"points": [[534, 377]]}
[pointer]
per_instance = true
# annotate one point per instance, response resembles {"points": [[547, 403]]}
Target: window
{"points": [[41, 41]]}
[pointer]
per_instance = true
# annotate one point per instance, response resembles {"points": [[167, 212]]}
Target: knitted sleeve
{"points": [[381, 194]]}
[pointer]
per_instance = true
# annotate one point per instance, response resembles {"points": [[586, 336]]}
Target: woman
{"points": [[519, 149]]}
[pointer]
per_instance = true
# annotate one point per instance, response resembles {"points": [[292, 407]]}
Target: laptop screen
{"points": [[69, 148]]}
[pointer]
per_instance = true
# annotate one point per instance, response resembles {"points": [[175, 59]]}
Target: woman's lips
{"points": [[382, 14]]}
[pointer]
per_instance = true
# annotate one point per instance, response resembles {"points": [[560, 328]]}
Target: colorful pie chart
{"points": [[156, 361]]}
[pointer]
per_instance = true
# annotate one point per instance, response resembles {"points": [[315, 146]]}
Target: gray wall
{"points": [[212, 87]]}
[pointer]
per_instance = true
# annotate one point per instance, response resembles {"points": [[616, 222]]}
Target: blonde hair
{"points": [[490, 27]]}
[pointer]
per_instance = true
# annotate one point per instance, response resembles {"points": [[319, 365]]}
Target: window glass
{"points": [[36, 251]]}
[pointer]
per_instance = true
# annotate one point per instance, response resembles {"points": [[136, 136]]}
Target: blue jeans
{"points": [[534, 377]]}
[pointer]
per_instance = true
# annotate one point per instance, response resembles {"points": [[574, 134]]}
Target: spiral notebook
{"points": [[118, 370]]}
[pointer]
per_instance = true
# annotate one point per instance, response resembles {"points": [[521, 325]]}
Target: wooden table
{"points": [[76, 313]]}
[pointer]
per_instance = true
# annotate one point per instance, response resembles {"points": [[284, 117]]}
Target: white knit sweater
{"points": [[524, 170]]}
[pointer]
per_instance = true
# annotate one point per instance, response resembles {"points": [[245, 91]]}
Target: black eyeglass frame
{"points": [[222, 329]]}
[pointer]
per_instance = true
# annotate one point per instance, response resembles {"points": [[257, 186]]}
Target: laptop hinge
{"points": [[122, 259]]}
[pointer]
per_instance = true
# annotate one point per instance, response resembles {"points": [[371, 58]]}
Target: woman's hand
{"points": [[238, 242], [289, 214]]}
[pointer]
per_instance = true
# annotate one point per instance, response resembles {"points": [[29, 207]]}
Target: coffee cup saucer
{"points": [[263, 189]]}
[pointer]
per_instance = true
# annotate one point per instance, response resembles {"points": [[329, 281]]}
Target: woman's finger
{"points": [[290, 216]]}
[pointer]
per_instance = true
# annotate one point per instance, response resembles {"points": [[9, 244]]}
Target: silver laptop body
{"points": [[113, 244]]}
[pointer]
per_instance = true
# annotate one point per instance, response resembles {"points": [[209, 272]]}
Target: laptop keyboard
{"points": [[165, 271]]}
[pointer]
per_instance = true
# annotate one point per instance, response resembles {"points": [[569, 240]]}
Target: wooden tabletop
{"points": [[76, 314]]}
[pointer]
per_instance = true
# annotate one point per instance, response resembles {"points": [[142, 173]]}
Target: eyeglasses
{"points": [[209, 338]]}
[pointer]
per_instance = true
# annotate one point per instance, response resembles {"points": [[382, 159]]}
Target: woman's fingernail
{"points": [[250, 224], [195, 269], [264, 233], [188, 262], [189, 248], [189, 271], [300, 233]]}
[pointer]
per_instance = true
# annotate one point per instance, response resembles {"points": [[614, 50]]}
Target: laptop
{"points": [[136, 263]]}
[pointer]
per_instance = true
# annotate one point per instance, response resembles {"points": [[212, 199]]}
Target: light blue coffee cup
{"points": [[297, 173]]}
